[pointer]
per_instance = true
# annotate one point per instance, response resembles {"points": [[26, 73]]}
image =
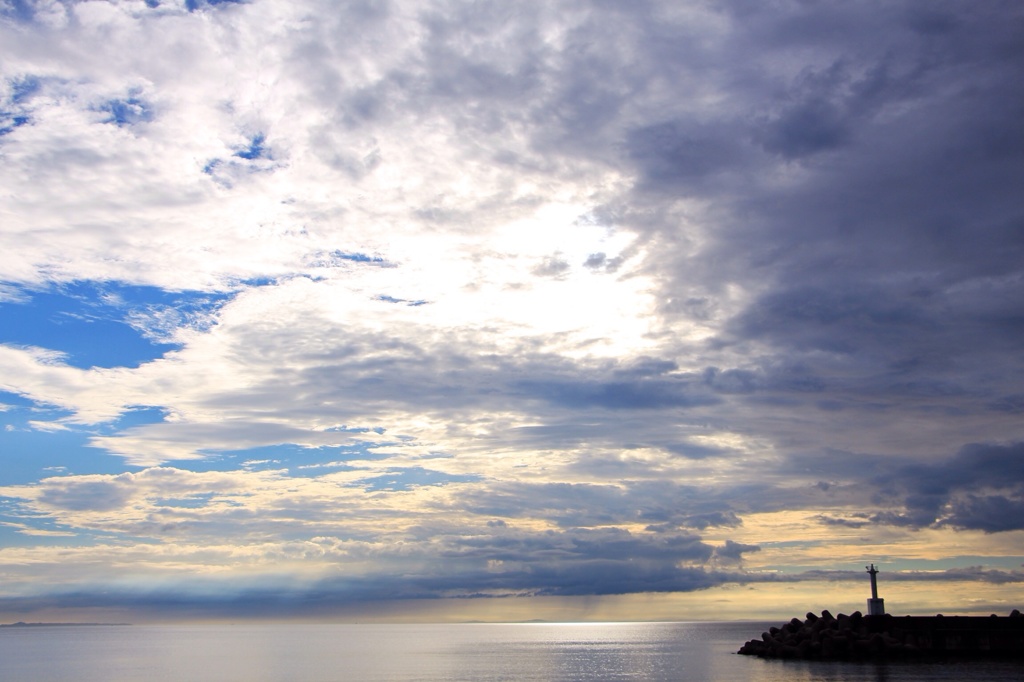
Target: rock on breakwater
{"points": [[857, 636]]}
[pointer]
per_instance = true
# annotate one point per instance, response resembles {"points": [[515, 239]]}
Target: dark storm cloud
{"points": [[617, 395], [679, 156], [330, 596], [859, 521], [809, 319], [721, 519], [568, 504], [989, 513], [968, 573], [981, 488], [581, 544], [732, 552], [597, 577], [902, 217], [887, 255], [644, 384], [665, 505], [495, 560]]}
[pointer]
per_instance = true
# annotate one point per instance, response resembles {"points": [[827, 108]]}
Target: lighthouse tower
{"points": [[876, 606]]}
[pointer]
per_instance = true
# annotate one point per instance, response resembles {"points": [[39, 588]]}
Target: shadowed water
{"points": [[322, 653]]}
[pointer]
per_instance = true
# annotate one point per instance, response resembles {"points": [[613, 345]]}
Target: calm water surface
{"points": [[329, 653]]}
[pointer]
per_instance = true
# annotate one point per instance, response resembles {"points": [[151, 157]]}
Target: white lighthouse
{"points": [[876, 606]]}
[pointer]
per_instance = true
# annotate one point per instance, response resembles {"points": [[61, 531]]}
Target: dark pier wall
{"points": [[955, 634], [890, 637]]}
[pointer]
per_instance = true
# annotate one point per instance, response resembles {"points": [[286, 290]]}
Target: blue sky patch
{"points": [[194, 5], [23, 88], [9, 123], [355, 429], [406, 478], [356, 257], [19, 10], [211, 166], [255, 150], [102, 324], [136, 416], [406, 301], [299, 460], [336, 258], [13, 111], [29, 453], [127, 112], [252, 157], [11, 534], [256, 281]]}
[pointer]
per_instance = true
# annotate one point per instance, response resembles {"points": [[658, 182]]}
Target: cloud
{"points": [[963, 491], [732, 552], [990, 513], [551, 267], [599, 275], [418, 554], [967, 573]]}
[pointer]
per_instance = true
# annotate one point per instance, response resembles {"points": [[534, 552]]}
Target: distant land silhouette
{"points": [[23, 624]]}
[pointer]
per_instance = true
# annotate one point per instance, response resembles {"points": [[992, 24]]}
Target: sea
{"points": [[468, 651]]}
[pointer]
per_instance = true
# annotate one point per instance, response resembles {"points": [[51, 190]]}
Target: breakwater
{"points": [[857, 636]]}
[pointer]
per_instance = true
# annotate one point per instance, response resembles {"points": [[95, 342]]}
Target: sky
{"points": [[385, 310]]}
